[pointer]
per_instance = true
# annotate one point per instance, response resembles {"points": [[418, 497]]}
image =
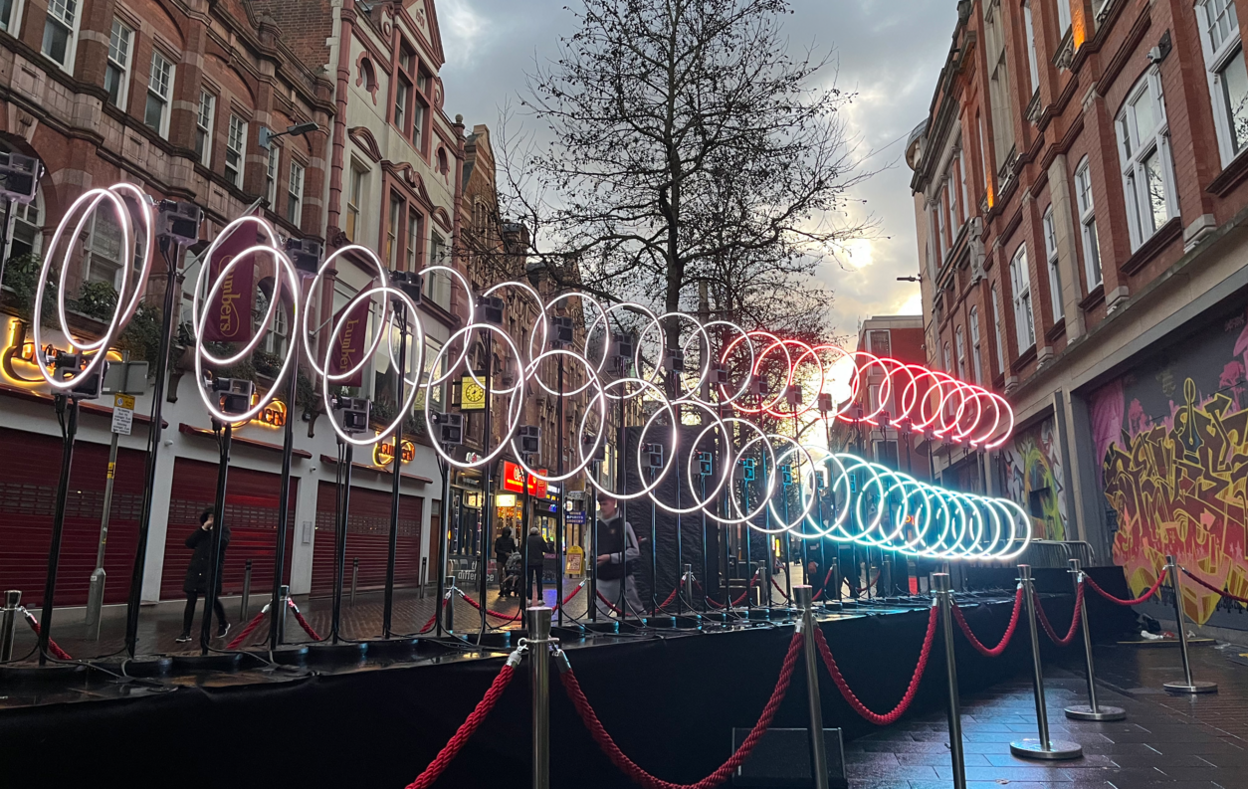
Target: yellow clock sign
{"points": [[472, 395]]}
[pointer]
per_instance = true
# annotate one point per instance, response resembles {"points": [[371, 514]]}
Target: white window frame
{"points": [[13, 24], [955, 218], [977, 366], [205, 121], [120, 30], [294, 192], [236, 143], [1134, 148], [1020, 288], [154, 91], [996, 322], [71, 27], [966, 199], [1055, 274], [1092, 267], [272, 169], [1033, 62], [1219, 56], [948, 359], [1063, 17], [942, 242], [959, 338], [357, 191]]}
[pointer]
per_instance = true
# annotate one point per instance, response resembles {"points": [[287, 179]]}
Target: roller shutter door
{"points": [[251, 510], [368, 531], [28, 480]]}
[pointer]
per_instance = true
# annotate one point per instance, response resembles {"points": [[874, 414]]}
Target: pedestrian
{"points": [[618, 555], [196, 583], [504, 546], [534, 560]]}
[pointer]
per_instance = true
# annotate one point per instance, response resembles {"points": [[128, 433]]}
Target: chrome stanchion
{"points": [[448, 603], [8, 623], [804, 597], [283, 607], [944, 599], [1188, 686], [687, 581], [1043, 748], [355, 578], [242, 606], [539, 643], [1091, 711]]}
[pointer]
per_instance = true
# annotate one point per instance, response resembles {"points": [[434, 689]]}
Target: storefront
{"points": [[368, 538]]}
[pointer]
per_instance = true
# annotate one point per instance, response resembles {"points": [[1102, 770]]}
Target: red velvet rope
{"points": [[869, 585], [610, 604], [1005, 639], [670, 598], [779, 588], [53, 647], [1152, 590], [906, 700], [575, 592], [823, 587], [736, 602], [724, 771], [465, 731], [307, 628], [509, 617], [1209, 586], [1074, 621], [251, 627]]}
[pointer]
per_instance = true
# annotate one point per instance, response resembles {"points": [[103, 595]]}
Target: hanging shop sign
{"points": [[383, 452], [505, 500], [471, 395], [514, 480]]}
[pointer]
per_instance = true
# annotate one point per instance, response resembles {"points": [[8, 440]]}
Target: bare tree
{"points": [[689, 149]]}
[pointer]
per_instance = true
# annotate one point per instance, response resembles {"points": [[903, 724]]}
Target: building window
{"points": [[235, 143], [1144, 149], [10, 13], [1055, 275], [880, 342], [1033, 63], [272, 168], [204, 120], [103, 261], [117, 72], [948, 360], [438, 285], [1063, 15], [159, 94], [27, 235], [1087, 224], [976, 365], [966, 201], [420, 108], [393, 228], [951, 203], [402, 95], [999, 93], [996, 322], [355, 199], [60, 32], [1020, 286], [413, 241], [941, 240], [294, 194], [368, 77], [960, 340], [1228, 77]]}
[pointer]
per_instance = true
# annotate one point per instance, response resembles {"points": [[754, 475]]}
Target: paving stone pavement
{"points": [[1170, 741]]}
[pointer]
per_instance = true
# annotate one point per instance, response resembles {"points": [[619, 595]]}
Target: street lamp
{"points": [[267, 135]]}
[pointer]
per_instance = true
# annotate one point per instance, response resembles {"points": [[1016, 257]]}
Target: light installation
{"points": [[805, 489]]}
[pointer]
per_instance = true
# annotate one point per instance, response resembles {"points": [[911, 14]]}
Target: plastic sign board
{"points": [[472, 395], [123, 414]]}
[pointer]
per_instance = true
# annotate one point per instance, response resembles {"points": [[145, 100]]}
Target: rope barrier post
{"points": [[803, 594], [242, 606], [687, 582], [539, 643], [8, 623], [1188, 686], [448, 603], [944, 599], [283, 607], [886, 577], [1044, 747], [1091, 711], [355, 578]]}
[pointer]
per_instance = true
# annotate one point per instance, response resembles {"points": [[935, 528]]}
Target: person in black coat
{"points": [[197, 572], [504, 546], [534, 558]]}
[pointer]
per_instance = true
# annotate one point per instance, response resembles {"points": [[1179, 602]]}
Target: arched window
{"points": [[27, 235], [443, 164], [368, 76]]}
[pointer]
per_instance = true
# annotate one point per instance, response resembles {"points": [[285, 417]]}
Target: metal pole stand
{"points": [[1043, 748], [448, 603], [355, 578], [803, 596], [246, 599], [540, 644], [944, 598], [283, 607], [8, 621], [1190, 685], [1090, 711]]}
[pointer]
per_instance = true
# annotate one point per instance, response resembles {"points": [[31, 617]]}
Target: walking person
{"points": [[534, 560], [504, 546], [196, 583], [618, 555]]}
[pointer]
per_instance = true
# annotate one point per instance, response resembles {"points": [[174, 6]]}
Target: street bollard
{"points": [[1091, 711], [8, 623], [243, 605], [448, 604], [873, 590], [355, 578], [687, 582], [1043, 748], [886, 578], [944, 598], [804, 597], [835, 581], [283, 607], [424, 573], [1188, 686], [539, 643], [95, 601]]}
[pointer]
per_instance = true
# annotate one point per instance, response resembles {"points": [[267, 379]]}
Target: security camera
{"points": [[1154, 55]]}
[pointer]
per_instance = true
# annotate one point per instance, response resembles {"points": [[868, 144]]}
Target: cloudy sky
{"points": [[888, 52]]}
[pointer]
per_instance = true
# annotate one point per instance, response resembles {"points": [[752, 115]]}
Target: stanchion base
{"points": [[1195, 687], [757, 613], [662, 622], [717, 616], [688, 620], [1057, 750], [609, 626], [1083, 712]]}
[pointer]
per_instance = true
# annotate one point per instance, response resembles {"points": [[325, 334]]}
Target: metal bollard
{"points": [[835, 581], [944, 598], [424, 573], [449, 605], [886, 578], [355, 577], [8, 623], [283, 607], [1043, 748], [687, 582], [1189, 686], [1090, 711], [873, 590], [539, 642], [804, 597], [243, 605]]}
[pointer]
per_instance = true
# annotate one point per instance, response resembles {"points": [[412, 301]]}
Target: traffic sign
{"points": [[123, 414], [576, 517]]}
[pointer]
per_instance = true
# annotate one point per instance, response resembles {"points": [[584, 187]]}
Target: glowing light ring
{"points": [[605, 320], [463, 352], [699, 330], [584, 297], [809, 404], [774, 342], [125, 309], [199, 321], [521, 362], [725, 464], [598, 399], [724, 361], [666, 406], [314, 290], [774, 470]]}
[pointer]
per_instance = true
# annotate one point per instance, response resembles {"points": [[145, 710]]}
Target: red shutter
{"points": [[368, 532], [28, 480], [251, 510]]}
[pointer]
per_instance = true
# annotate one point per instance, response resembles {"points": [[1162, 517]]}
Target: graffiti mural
{"points": [[1033, 478], [1173, 437]]}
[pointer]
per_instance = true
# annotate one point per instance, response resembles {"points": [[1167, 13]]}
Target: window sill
{"points": [[1171, 231], [1095, 296], [1231, 176], [1024, 358], [1058, 330]]}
